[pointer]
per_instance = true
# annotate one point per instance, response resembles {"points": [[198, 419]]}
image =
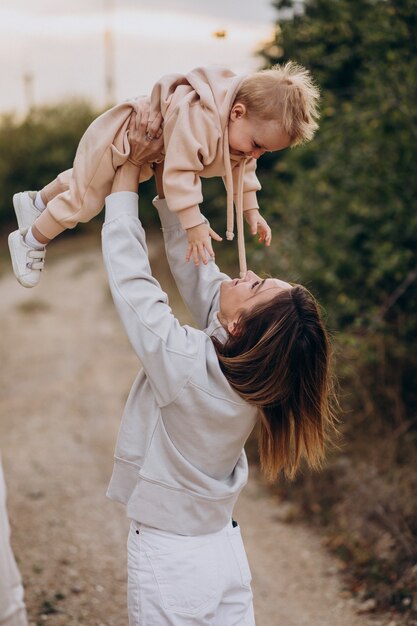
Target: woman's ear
{"points": [[233, 328]]}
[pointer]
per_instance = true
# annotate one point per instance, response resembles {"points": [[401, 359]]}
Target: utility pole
{"points": [[28, 90], [109, 64]]}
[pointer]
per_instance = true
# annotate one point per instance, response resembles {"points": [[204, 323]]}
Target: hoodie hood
{"points": [[216, 88]]}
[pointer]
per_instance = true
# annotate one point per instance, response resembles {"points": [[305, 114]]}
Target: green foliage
{"points": [[33, 151], [344, 216], [345, 204]]}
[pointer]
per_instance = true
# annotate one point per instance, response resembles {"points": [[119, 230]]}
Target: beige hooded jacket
{"points": [[195, 108]]}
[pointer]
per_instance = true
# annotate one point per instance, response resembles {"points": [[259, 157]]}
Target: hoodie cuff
{"points": [[121, 203], [167, 217], [190, 217], [250, 200]]}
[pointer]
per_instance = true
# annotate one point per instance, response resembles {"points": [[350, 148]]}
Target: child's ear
{"points": [[238, 110]]}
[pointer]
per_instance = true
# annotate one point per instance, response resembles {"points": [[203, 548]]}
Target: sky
{"points": [[53, 50]]}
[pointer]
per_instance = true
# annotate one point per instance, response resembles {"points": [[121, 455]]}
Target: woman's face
{"points": [[242, 294]]}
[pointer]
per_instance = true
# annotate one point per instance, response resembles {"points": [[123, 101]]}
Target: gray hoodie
{"points": [[179, 459]]}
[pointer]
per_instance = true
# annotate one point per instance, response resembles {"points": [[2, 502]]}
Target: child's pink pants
{"points": [[78, 194]]}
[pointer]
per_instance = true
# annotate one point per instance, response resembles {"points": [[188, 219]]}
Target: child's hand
{"points": [[199, 242], [258, 225]]}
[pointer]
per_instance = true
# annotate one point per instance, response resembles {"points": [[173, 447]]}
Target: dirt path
{"points": [[66, 368]]}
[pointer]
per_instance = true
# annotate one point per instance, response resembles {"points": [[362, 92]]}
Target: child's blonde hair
{"points": [[285, 93]]}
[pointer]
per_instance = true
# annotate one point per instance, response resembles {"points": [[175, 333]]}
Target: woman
{"points": [[179, 461]]}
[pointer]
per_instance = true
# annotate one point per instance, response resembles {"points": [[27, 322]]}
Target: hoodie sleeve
{"points": [[191, 139], [166, 349], [251, 184], [199, 286]]}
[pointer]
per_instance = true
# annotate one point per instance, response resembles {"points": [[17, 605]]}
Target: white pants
{"points": [[176, 580], [12, 608]]}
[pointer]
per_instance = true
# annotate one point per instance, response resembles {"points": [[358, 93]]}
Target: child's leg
{"points": [[57, 186], [78, 195]]}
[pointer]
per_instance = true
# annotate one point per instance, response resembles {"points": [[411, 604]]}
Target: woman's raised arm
{"points": [[166, 349], [199, 286]]}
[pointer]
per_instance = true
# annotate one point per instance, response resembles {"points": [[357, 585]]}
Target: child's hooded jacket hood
{"points": [[196, 109]]}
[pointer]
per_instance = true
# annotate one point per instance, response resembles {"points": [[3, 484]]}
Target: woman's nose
{"points": [[249, 275]]}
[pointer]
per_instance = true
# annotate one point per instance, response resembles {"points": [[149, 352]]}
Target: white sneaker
{"points": [[24, 207], [27, 262]]}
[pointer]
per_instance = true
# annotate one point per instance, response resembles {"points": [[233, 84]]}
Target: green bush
{"points": [[34, 150], [344, 216]]}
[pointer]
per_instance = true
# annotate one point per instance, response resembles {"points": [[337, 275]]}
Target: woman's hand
{"points": [[145, 135], [146, 144]]}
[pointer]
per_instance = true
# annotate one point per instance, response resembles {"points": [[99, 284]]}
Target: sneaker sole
{"points": [[19, 279]]}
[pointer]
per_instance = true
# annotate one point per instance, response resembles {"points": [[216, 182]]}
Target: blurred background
{"points": [[343, 211]]}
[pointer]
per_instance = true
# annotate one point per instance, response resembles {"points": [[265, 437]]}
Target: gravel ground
{"points": [[66, 368]]}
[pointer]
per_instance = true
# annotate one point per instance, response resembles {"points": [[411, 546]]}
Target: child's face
{"points": [[252, 137]]}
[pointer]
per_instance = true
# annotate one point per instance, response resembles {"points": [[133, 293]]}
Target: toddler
{"points": [[213, 123]]}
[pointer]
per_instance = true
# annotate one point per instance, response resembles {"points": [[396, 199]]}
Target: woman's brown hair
{"points": [[279, 360]]}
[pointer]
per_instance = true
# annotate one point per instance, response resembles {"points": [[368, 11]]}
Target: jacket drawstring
{"points": [[229, 186], [239, 204], [239, 219]]}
